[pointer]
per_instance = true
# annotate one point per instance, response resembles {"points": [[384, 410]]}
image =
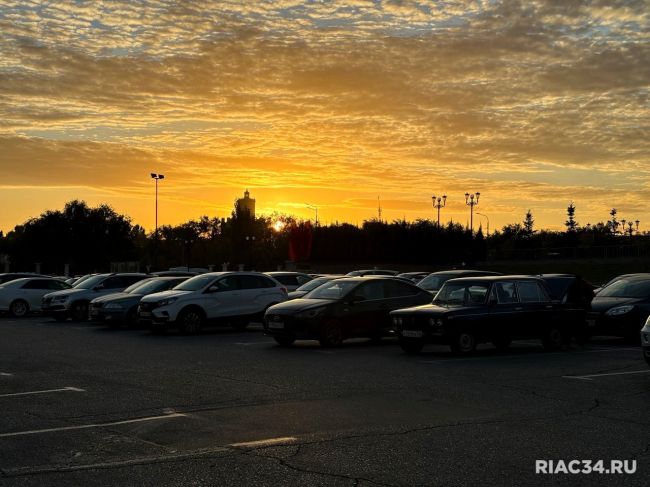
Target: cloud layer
{"points": [[532, 103]]}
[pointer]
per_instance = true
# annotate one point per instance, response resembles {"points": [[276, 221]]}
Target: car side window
{"points": [[370, 290], [37, 284], [529, 292], [399, 290], [114, 282], [57, 285], [506, 292], [253, 282], [228, 283]]}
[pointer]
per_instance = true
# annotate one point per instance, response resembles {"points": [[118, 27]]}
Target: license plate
{"points": [[145, 313], [591, 323], [412, 333], [276, 325]]}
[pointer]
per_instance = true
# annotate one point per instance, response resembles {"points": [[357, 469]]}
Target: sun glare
{"points": [[278, 226]]}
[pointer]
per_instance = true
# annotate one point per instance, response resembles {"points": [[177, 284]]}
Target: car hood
{"points": [[152, 298], [112, 297], [69, 292], [424, 309], [602, 303], [296, 305]]}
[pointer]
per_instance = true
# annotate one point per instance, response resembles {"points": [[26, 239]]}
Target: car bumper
{"points": [[55, 310], [276, 325], [623, 325], [107, 315]]}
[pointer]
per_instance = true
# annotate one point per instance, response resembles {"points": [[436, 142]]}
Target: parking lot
{"points": [[86, 405]]}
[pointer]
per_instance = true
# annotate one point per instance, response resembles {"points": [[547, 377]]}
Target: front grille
{"points": [[147, 306]]}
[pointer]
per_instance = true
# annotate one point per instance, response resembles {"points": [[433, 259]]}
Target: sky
{"points": [[534, 104]]}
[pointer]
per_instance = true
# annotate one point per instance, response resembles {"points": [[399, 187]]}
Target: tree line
{"points": [[90, 239]]}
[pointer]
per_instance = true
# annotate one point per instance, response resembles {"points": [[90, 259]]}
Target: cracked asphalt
{"points": [[85, 405]]}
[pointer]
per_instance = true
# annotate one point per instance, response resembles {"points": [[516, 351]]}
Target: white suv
{"points": [[231, 297]]}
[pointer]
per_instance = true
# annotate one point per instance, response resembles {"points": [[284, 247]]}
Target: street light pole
{"points": [[471, 200], [439, 203], [488, 222], [156, 177]]}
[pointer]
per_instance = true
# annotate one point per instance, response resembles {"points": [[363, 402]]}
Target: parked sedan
{"points": [[20, 296], [10, 276], [621, 308], [311, 285], [122, 307], [468, 311], [340, 309], [434, 281]]}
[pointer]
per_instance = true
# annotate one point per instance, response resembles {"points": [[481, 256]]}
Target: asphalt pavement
{"points": [[87, 405]]}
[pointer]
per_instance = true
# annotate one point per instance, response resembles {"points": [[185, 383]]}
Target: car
{"points": [[618, 278], [414, 277], [236, 298], [372, 272], [175, 273], [10, 276], [122, 307], [74, 281], [434, 281], [472, 310], [73, 303], [645, 341], [20, 296], [621, 308], [311, 285], [342, 308], [290, 280]]}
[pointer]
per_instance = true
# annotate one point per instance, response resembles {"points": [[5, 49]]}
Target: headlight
{"points": [[397, 320], [620, 310], [436, 322], [311, 313], [165, 302], [113, 306]]}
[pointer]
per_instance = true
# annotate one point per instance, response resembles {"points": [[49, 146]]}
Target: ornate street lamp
{"points": [[439, 203], [471, 200]]}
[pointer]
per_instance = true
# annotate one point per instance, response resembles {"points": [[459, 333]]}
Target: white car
{"points": [[21, 296], [231, 297]]}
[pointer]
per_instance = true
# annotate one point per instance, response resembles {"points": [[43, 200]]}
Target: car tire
{"points": [[190, 321], [502, 344], [18, 308], [554, 339], [411, 346], [284, 341], [331, 334], [79, 311], [463, 343]]}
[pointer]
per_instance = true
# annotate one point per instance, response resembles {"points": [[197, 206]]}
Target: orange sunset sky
{"points": [[532, 103]]}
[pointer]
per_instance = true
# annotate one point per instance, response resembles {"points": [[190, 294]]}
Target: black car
{"points": [[311, 285], [573, 295], [340, 309], [621, 308], [472, 310], [122, 307], [434, 281]]}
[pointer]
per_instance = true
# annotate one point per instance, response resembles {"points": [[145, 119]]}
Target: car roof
{"points": [[514, 277], [286, 273]]}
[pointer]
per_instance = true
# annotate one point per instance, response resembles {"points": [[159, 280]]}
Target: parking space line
{"points": [[6, 374], [92, 425], [267, 442], [589, 377], [48, 391]]}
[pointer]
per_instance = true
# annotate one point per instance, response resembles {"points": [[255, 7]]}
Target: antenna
{"points": [[379, 207]]}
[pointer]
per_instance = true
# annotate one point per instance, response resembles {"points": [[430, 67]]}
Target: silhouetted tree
{"points": [[529, 223], [613, 223], [570, 223]]}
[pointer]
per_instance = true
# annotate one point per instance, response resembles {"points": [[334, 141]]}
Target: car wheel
{"points": [[331, 334], [463, 343], [285, 341], [502, 344], [411, 345], [18, 308], [554, 339], [190, 321], [80, 311]]}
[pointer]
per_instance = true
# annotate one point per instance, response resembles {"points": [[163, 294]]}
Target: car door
{"points": [[255, 295], [537, 309], [506, 312], [364, 308], [223, 298], [33, 291]]}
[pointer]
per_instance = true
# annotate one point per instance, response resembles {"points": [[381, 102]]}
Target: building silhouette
{"points": [[245, 207]]}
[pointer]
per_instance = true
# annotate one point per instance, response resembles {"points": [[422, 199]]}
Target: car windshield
{"points": [[136, 285], [196, 283], [461, 294], [313, 284], [90, 283], [626, 288], [332, 290], [149, 286], [433, 282]]}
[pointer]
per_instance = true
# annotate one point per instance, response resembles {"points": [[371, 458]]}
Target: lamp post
{"points": [[439, 203], [471, 200], [488, 222], [313, 207], [156, 177]]}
